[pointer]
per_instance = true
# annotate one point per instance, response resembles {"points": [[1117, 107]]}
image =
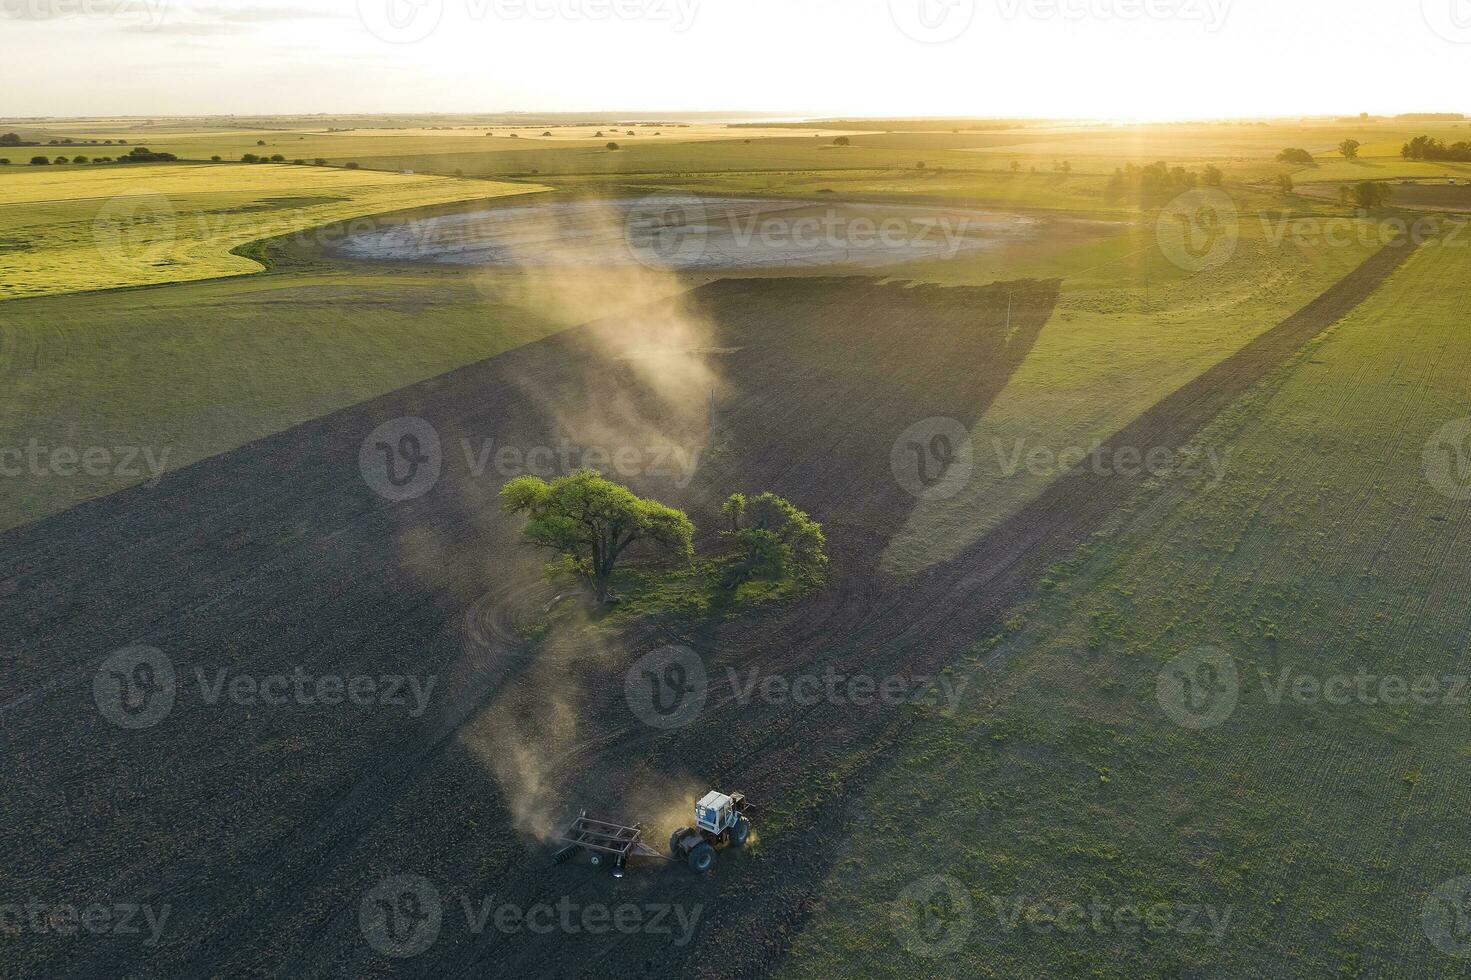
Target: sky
{"points": [[1103, 59]]}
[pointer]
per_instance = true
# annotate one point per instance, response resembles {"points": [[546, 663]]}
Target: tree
{"points": [[215, 158], [1066, 167], [547, 133], [277, 158], [1211, 176], [351, 165], [1350, 149], [1016, 167], [1301, 157], [320, 162], [260, 142], [842, 141], [79, 159], [777, 539], [10, 139], [62, 160], [39, 162], [1370, 194], [1284, 183], [591, 522], [613, 146], [249, 158], [4, 161]]}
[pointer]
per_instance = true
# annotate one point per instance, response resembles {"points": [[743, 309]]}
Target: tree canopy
{"points": [[592, 522], [1297, 156], [777, 538]]}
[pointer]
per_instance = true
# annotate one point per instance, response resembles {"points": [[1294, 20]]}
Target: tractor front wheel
{"points": [[702, 857], [740, 832]]}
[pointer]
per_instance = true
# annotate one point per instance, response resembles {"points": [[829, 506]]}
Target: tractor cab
{"points": [[715, 812], [720, 820]]}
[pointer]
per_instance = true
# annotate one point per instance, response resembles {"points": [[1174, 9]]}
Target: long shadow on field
{"points": [[264, 826], [262, 822], [948, 606]]}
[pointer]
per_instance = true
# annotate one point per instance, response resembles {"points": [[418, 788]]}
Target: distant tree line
{"points": [[139, 154], [1158, 182], [1430, 148]]}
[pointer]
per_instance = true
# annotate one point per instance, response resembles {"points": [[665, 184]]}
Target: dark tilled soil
{"points": [[262, 827]]}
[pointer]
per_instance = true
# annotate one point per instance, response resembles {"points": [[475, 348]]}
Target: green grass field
{"points": [[83, 227], [1316, 830]]}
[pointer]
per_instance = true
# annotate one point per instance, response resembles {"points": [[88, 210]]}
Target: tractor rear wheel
{"points": [[702, 857], [740, 832]]}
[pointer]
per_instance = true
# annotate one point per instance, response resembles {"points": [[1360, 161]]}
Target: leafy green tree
{"points": [[1284, 183], [1371, 194], [613, 146], [842, 141], [1350, 149], [40, 162], [1211, 176], [591, 522], [10, 139], [777, 539], [1295, 156]]}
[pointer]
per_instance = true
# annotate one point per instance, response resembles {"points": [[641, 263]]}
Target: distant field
{"points": [[1315, 830], [64, 229]]}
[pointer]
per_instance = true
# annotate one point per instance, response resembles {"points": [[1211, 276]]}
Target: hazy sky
{"points": [[1168, 59]]}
